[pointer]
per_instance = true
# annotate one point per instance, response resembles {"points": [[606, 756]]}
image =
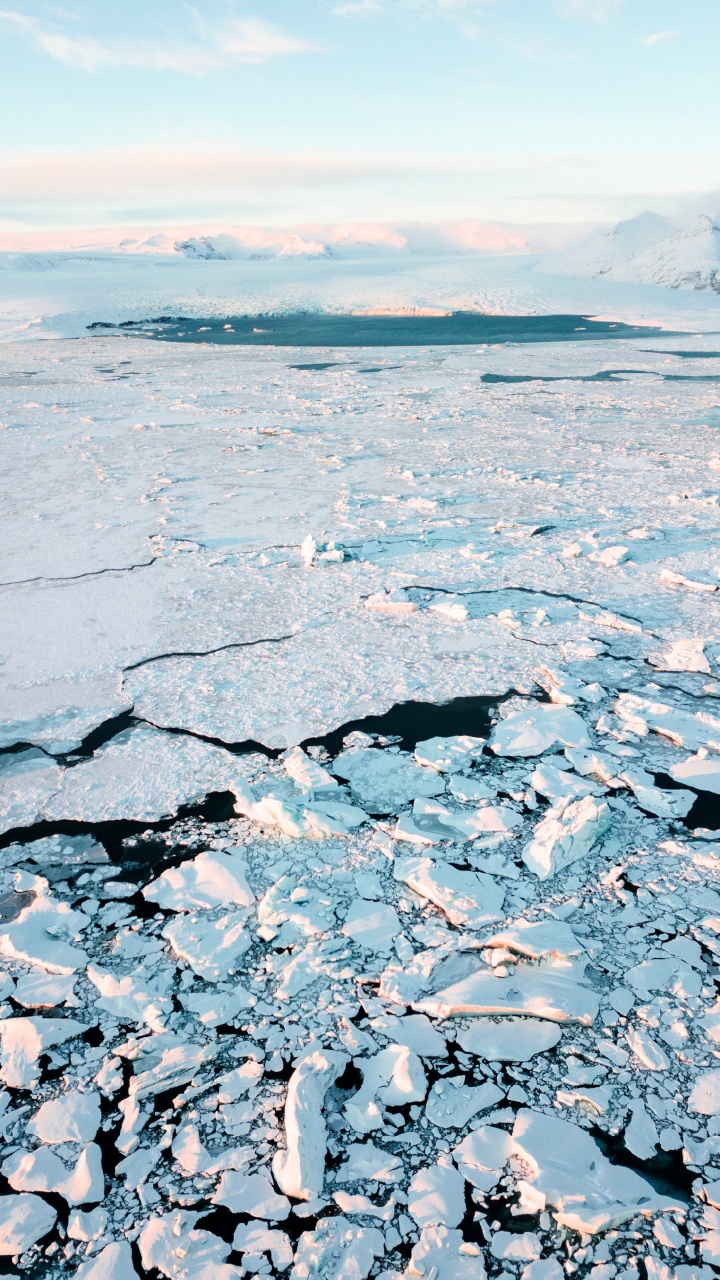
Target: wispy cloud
{"points": [[660, 37], [244, 40]]}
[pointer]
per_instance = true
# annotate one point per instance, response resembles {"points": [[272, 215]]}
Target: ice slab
{"points": [[530, 733], [468, 898], [212, 879]]}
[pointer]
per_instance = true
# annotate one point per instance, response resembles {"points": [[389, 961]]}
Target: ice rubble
{"points": [[380, 997]]}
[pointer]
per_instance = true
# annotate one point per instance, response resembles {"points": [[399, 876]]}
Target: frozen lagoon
{"points": [[420, 998]]}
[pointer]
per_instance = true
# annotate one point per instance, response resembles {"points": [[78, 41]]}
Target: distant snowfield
{"points": [[360, 792], [53, 295]]}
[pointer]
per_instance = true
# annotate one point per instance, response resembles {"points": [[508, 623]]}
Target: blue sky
{"points": [[286, 111]]}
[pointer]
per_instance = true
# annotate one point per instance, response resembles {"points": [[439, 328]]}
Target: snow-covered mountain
{"points": [[688, 259], [608, 253]]}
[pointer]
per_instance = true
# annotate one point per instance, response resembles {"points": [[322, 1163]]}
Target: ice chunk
{"points": [[699, 772], [595, 764], [43, 1170], [540, 940], [569, 1173], [452, 1104], [28, 781], [540, 991], [516, 1246], [482, 1156], [449, 755], [395, 1076], [513, 1040], [114, 1262], [444, 1255], [38, 990], [24, 1039], [212, 947], [251, 1193], [308, 773], [212, 879], [467, 790], [24, 1220], [705, 1096], [641, 1136], [36, 936], [416, 1032], [566, 833], [72, 1117], [215, 1008], [384, 781], [682, 655], [530, 733], [467, 898], [300, 1169], [253, 1241], [367, 1163], [436, 1195], [683, 728], [169, 1064], [555, 784], [300, 910], [672, 975], [372, 924], [648, 1053], [136, 998], [664, 804], [336, 1250], [181, 1251], [88, 1225]]}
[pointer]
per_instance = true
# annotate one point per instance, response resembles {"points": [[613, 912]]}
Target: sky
{"points": [[283, 112]]}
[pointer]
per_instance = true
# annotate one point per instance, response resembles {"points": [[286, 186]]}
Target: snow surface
{"points": [[286, 990]]}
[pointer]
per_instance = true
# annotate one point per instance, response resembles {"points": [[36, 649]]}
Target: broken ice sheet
{"points": [[385, 780], [467, 898]]}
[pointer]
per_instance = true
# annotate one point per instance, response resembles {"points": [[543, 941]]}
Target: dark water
{"points": [[462, 328], [607, 375], [686, 355]]}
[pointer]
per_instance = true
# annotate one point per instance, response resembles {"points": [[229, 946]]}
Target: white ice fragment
{"points": [[683, 728], [72, 1117], [40, 990], [513, 1040], [384, 781], [135, 998], [336, 1250], [451, 1104], [348, 1203], [24, 1220], [38, 936], [431, 822], [648, 1053], [530, 733], [467, 790], [300, 1169], [28, 781], [287, 903], [88, 1225], [393, 1077], [173, 1245], [114, 1262], [673, 976], [516, 1246], [556, 784], [137, 1167], [251, 1193], [674, 579], [390, 602], [482, 1156], [212, 947], [442, 1254], [467, 898], [307, 773], [569, 1173], [416, 1031], [449, 755], [609, 557], [566, 833], [253, 1241], [682, 655], [43, 1170], [170, 1065], [24, 1039], [216, 1008], [212, 879], [372, 924], [367, 1163], [595, 764], [641, 1135], [189, 1151], [436, 1196], [664, 804], [700, 772], [540, 940], [538, 991], [705, 1096]]}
